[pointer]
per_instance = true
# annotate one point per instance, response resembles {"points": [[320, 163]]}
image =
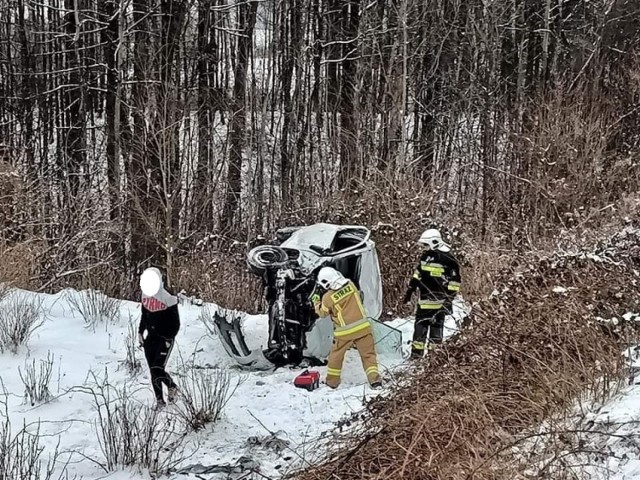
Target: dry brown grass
{"points": [[396, 219], [222, 278], [19, 264], [396, 214], [530, 351]]}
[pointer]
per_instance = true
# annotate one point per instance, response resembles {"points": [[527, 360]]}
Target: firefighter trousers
{"points": [[157, 350], [431, 325], [366, 349]]}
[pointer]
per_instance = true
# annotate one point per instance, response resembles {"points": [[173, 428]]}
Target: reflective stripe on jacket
{"points": [[346, 310], [437, 277]]}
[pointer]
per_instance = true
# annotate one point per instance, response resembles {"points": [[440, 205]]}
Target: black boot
{"points": [[416, 354]]}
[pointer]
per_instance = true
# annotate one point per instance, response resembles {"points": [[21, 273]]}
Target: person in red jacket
{"points": [[159, 325]]}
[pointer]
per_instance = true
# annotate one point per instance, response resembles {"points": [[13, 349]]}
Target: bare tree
{"points": [[246, 22], [153, 130]]}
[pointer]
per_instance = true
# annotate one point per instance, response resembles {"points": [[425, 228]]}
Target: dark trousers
{"points": [[429, 323], [157, 350]]}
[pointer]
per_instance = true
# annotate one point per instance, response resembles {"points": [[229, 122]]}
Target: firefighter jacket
{"points": [[437, 277], [160, 316], [346, 310]]}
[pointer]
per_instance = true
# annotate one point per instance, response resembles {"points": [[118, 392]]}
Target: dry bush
{"points": [[131, 434], [396, 215], [94, 307], [586, 445], [108, 278], [206, 317], [20, 264], [20, 316], [203, 393], [36, 378], [481, 277], [563, 164], [5, 290], [21, 453], [531, 350], [131, 362], [8, 177], [220, 277]]}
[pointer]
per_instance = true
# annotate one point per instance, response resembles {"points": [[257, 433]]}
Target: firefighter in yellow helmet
{"points": [[351, 326]]}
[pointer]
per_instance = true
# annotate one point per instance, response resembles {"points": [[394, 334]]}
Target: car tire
{"points": [[266, 257]]}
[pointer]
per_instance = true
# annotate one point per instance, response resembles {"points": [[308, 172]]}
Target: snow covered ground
{"points": [[262, 404], [613, 432], [597, 440]]}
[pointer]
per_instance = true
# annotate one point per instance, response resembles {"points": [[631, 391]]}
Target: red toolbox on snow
{"points": [[309, 379]]}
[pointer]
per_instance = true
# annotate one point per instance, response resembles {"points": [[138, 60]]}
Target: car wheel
{"points": [[265, 257]]}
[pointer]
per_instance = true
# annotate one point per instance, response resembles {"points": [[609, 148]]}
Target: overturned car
{"points": [[288, 269]]}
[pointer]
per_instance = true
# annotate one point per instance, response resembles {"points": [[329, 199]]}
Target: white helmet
{"points": [[331, 279], [432, 239]]}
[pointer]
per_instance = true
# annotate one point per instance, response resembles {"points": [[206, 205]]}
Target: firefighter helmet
{"points": [[432, 239], [331, 279]]}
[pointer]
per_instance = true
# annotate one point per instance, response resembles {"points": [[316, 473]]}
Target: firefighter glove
{"points": [[448, 306], [315, 298]]}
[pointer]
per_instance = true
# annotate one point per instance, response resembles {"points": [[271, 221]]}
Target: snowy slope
{"points": [[598, 439], [614, 432], [263, 403]]}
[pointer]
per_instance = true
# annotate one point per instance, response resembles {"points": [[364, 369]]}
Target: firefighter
{"points": [[343, 302], [159, 325], [437, 277]]}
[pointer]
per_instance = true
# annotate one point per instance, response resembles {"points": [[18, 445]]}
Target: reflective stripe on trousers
{"points": [[430, 304], [352, 328], [367, 351]]}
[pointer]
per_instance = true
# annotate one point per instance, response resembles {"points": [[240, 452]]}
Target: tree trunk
{"points": [[139, 206], [73, 136], [333, 36], [348, 118], [109, 38], [202, 213], [246, 23]]}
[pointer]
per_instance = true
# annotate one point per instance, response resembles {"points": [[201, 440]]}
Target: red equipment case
{"points": [[309, 379]]}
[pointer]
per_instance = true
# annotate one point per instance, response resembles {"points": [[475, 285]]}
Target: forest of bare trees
{"points": [[134, 131]]}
